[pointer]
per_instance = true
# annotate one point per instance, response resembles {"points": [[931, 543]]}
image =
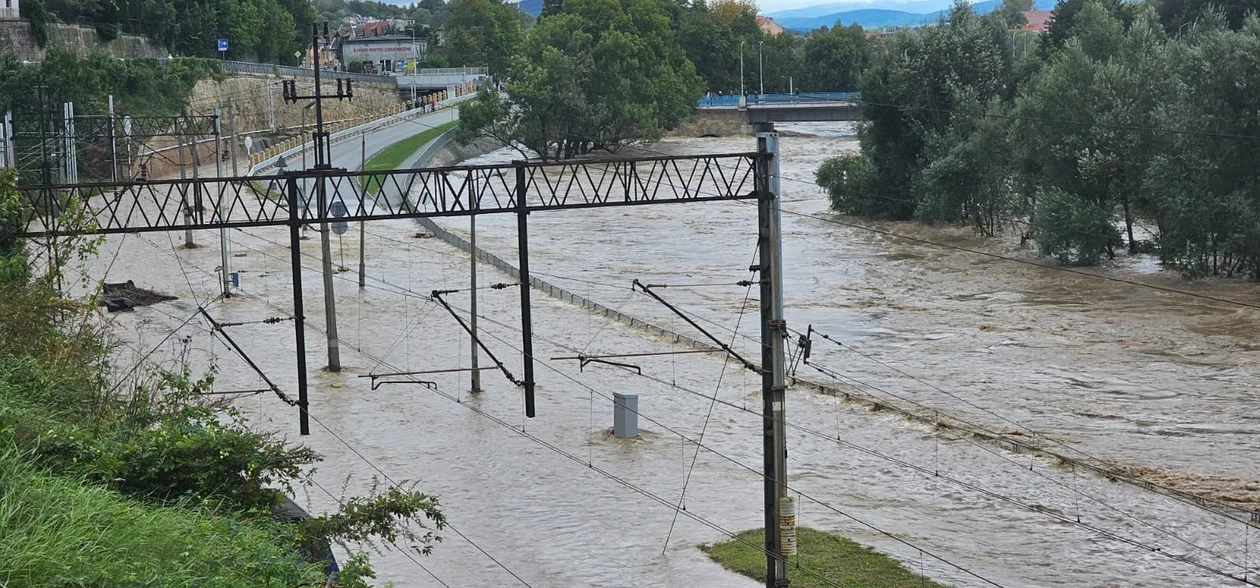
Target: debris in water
{"points": [[126, 296]]}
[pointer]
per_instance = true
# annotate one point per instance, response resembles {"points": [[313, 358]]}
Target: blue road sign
{"points": [[338, 210], [223, 44]]}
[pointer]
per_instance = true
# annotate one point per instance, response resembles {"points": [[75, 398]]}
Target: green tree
{"points": [[847, 179], [971, 174], [551, 7], [1063, 21], [483, 32], [1082, 120], [1178, 14], [1204, 185], [914, 89], [1011, 12], [601, 75], [13, 267], [835, 58], [1071, 229]]}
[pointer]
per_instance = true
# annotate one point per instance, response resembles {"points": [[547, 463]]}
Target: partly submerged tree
{"points": [[599, 76]]}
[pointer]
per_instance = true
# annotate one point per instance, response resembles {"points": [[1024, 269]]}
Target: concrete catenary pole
{"points": [[218, 172], [472, 249], [362, 211], [323, 162], [773, 335]]}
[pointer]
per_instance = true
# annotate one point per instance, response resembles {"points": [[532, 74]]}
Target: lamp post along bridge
{"points": [[519, 188]]}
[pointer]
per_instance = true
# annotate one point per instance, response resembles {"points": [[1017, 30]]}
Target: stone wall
{"points": [[714, 122], [255, 98], [16, 38]]}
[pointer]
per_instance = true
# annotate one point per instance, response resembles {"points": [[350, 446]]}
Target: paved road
{"points": [[351, 153]]}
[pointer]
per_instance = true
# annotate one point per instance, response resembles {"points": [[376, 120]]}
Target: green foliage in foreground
{"points": [[143, 481], [58, 531], [840, 561], [395, 155]]}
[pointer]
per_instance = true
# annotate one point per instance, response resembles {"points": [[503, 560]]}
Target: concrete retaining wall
{"points": [[714, 122]]}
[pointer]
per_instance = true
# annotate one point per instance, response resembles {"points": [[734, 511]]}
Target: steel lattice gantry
{"points": [[214, 203], [295, 199]]}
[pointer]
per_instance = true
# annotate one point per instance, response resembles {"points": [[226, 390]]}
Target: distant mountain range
{"points": [[896, 14], [912, 13]]}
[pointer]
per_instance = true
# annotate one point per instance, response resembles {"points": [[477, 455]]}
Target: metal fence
{"points": [[286, 70], [731, 101], [453, 71]]}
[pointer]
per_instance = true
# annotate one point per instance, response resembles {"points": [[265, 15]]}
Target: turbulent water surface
{"points": [[1136, 376]]}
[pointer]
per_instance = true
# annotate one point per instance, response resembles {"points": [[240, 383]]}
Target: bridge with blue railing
{"points": [[732, 100]]}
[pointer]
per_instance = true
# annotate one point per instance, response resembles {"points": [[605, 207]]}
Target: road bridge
{"points": [[803, 107]]}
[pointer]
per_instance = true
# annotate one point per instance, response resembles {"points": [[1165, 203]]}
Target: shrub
{"points": [[1072, 230], [846, 178]]}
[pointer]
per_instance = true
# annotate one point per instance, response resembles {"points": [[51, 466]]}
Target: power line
{"points": [[712, 403], [1098, 530], [664, 426], [369, 462], [1101, 531]]}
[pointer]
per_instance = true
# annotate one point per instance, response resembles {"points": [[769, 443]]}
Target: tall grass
{"points": [[58, 531]]}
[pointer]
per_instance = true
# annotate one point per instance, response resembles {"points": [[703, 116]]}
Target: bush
{"points": [[36, 13], [847, 179], [156, 443], [1071, 229]]}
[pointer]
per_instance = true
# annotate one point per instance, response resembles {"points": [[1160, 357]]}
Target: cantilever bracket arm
{"points": [[377, 382], [647, 289], [437, 296], [584, 360]]}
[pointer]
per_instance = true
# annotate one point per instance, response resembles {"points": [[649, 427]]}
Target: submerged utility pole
{"points": [[179, 138], [218, 171], [362, 230], [472, 309], [780, 529], [323, 165]]}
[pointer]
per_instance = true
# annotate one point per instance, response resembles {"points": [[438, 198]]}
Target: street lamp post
{"points": [[761, 67], [741, 70]]}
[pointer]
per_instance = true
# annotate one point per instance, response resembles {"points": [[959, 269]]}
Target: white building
{"points": [[9, 10], [386, 53]]}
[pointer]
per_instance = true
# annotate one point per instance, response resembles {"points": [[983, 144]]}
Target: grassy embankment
{"points": [[840, 561], [395, 155], [136, 485], [61, 531]]}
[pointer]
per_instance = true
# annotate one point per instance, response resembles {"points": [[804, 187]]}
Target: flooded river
{"points": [[1126, 374]]}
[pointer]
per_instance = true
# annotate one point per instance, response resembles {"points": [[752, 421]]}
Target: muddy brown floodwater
{"points": [[1141, 378]]}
